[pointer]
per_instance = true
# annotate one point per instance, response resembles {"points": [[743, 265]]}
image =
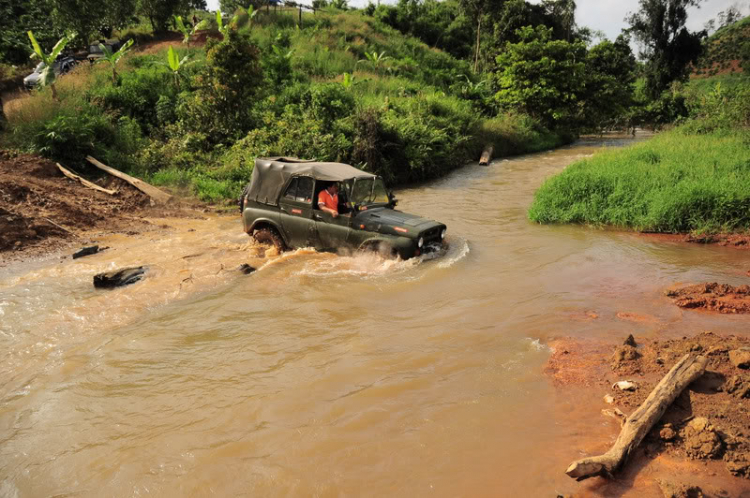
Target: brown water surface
{"points": [[329, 375]]}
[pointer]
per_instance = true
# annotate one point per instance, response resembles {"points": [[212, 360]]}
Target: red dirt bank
{"points": [[41, 210], [703, 438]]}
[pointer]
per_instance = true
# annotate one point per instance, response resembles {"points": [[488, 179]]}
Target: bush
{"points": [[676, 182]]}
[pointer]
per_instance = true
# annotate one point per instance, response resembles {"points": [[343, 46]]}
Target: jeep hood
{"points": [[385, 220]]}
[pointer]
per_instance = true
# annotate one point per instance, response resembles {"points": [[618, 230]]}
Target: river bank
{"points": [[701, 443]]}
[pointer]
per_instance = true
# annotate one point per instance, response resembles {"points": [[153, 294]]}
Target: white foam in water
{"points": [[536, 345], [462, 251]]}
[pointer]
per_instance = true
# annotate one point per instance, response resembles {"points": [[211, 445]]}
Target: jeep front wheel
{"points": [[269, 237]]}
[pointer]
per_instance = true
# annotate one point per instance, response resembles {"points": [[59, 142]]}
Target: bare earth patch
{"points": [[708, 424], [42, 211], [722, 298]]}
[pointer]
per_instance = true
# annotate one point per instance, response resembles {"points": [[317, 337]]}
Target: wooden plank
{"points": [[83, 181], [637, 425], [151, 191]]}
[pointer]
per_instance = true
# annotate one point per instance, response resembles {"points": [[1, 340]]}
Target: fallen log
{"points": [[638, 424], [83, 181], [151, 191], [486, 156]]}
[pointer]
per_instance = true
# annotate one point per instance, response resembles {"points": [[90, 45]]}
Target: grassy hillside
{"points": [[344, 87], [724, 50]]}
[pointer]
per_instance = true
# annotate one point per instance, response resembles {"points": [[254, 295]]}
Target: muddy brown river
{"points": [[332, 375]]}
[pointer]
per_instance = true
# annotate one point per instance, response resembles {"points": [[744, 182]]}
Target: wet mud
{"points": [[721, 298], [701, 442]]}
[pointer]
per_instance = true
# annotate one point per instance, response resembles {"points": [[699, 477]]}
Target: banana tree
{"points": [[237, 20], [47, 75], [176, 64], [375, 58], [114, 57], [347, 81], [182, 29]]}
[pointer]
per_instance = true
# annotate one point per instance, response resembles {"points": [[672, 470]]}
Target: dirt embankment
{"points": [[41, 210], [722, 298], [709, 423]]}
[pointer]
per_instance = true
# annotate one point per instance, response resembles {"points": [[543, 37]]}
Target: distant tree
{"points": [[16, 18], [515, 15], [669, 48], [221, 107], [565, 11], [729, 16], [543, 77], [231, 6], [477, 10], [82, 16], [160, 13], [610, 74]]}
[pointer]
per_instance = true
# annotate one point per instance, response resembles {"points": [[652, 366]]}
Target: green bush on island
{"points": [[693, 178]]}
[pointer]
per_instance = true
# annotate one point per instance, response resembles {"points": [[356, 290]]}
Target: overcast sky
{"points": [[606, 15]]}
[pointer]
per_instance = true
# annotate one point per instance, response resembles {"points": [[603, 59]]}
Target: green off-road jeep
{"points": [[279, 207]]}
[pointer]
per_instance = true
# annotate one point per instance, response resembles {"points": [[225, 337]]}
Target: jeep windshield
{"points": [[369, 191]]}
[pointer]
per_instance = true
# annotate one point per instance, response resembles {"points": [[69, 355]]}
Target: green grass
{"points": [[676, 182]]}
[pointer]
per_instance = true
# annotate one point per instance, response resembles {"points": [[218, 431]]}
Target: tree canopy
{"points": [[668, 46]]}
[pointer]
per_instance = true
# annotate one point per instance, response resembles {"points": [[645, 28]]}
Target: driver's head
{"points": [[333, 188]]}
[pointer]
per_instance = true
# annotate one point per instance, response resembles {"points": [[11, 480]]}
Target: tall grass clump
{"points": [[677, 182]]}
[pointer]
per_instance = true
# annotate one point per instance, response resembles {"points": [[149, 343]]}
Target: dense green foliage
{"points": [[344, 88], [694, 178]]}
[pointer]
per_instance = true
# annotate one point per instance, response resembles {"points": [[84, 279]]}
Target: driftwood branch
{"points": [[151, 191], [60, 227], [83, 181], [640, 421]]}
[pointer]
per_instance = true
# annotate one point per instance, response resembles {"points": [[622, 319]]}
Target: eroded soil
{"points": [[708, 425], [722, 298], [42, 211]]}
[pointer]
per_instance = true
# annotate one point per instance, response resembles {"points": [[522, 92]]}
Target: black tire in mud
{"points": [[269, 237]]}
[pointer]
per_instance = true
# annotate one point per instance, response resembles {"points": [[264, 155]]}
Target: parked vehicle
{"points": [[96, 52], [279, 207], [62, 65]]}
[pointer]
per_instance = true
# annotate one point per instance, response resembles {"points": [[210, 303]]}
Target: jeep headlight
{"points": [[420, 242], [442, 233]]}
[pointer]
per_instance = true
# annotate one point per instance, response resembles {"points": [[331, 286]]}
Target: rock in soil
{"points": [[674, 490], [119, 278], [740, 358], [738, 386], [701, 439]]}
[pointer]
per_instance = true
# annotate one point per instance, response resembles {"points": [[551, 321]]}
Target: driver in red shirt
{"points": [[328, 200]]}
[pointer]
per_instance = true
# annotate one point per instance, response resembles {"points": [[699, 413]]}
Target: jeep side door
{"points": [[296, 207], [332, 232]]}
